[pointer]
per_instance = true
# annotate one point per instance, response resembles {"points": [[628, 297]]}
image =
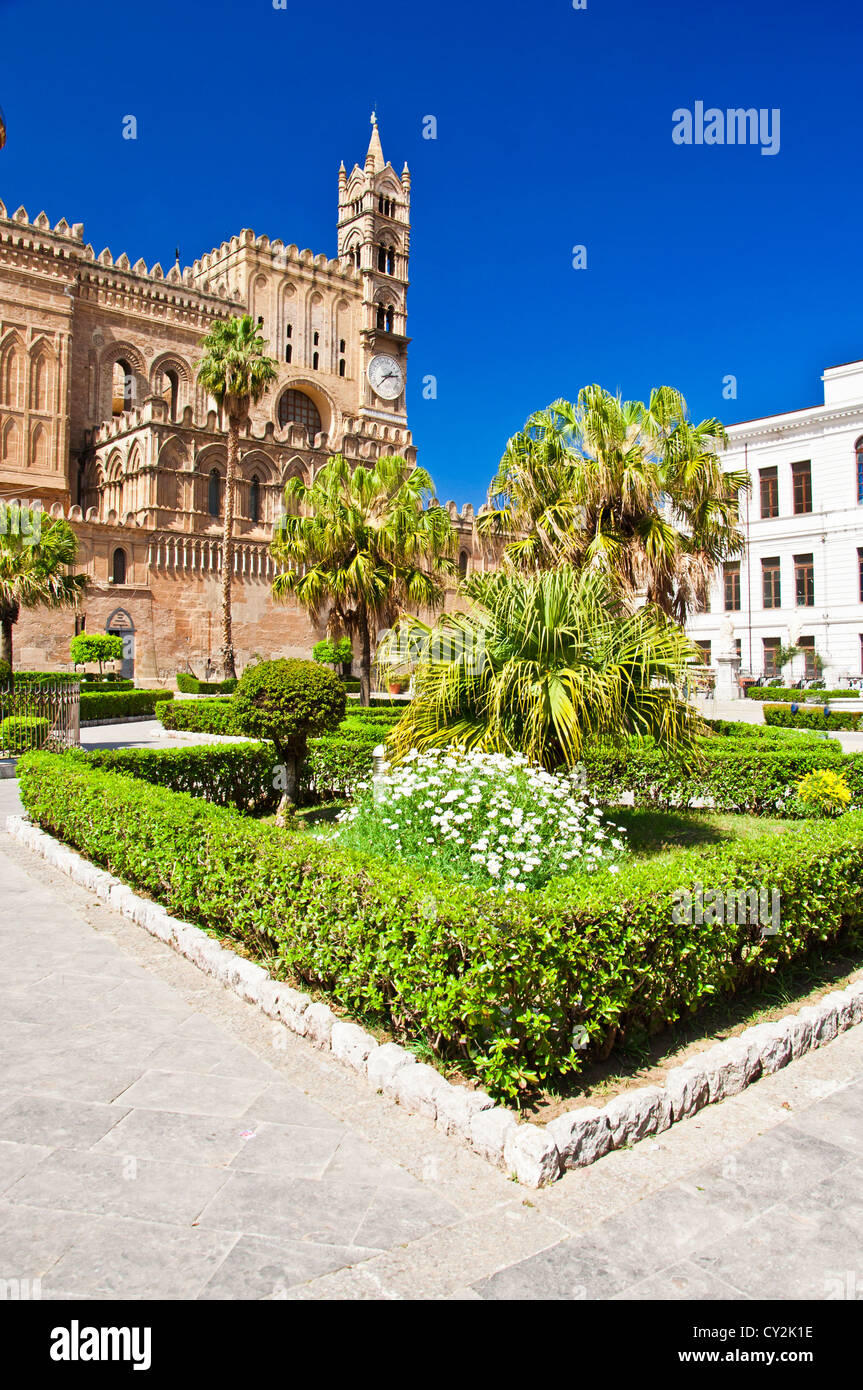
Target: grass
{"points": [[650, 832]]}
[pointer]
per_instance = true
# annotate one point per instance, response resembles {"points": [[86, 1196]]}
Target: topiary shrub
{"points": [[289, 702], [20, 735], [336, 653], [190, 685], [95, 646]]}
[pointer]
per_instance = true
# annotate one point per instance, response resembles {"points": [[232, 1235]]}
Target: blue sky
{"points": [[554, 130]]}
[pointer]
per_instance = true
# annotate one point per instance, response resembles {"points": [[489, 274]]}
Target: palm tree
{"points": [[634, 491], [36, 575], [363, 544], [236, 371], [542, 664]]}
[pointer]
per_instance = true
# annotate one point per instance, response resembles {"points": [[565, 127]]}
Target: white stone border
{"points": [[533, 1154]]}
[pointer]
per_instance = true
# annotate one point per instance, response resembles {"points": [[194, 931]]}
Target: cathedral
{"points": [[103, 421]]}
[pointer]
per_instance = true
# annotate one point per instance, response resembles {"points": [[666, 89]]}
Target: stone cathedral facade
{"points": [[101, 417]]}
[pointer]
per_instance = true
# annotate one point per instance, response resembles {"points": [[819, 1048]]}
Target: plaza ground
{"points": [[159, 1138]]}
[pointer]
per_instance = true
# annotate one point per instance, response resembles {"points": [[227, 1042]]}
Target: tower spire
{"points": [[375, 151]]}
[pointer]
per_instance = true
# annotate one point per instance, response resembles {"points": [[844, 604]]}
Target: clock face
{"points": [[386, 377]]}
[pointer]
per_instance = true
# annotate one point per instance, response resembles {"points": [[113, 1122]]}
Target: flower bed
{"points": [[481, 818], [504, 984]]}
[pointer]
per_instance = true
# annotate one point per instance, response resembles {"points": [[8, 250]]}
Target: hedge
{"points": [[780, 736], [18, 734], [811, 717], [108, 705], [42, 678], [92, 685], [778, 692], [198, 716], [190, 685], [496, 983], [227, 774], [733, 775]]}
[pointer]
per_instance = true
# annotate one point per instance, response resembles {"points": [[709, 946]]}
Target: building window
{"points": [[316, 359], [769, 480], [860, 572], [341, 366], [255, 499], [858, 449], [704, 647], [771, 651], [771, 591], [801, 474], [289, 347], [213, 493], [804, 581], [118, 567], [386, 317], [123, 388], [171, 391], [296, 408], [463, 563], [807, 646], [731, 576]]}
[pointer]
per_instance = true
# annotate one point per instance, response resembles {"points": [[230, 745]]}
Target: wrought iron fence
{"points": [[39, 714]]}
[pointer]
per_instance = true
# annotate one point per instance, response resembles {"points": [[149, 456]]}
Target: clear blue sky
{"points": [[554, 129]]}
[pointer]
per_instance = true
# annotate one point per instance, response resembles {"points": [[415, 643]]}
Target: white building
{"points": [[800, 581]]}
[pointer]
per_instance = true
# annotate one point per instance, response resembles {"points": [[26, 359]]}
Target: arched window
{"points": [[462, 563], [289, 347], [294, 407], [213, 493], [316, 360], [255, 499], [858, 448], [123, 388], [171, 390], [118, 566]]}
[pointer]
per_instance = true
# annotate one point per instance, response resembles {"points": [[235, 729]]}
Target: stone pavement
{"points": [[161, 1138]]}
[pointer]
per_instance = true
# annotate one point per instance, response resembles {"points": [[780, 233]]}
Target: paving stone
{"points": [[117, 1258], [256, 1268], [57, 1123], [117, 1184], [190, 1092], [329, 1212], [211, 1140], [291, 1151]]}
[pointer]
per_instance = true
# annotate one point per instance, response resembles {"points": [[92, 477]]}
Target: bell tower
{"points": [[374, 237]]}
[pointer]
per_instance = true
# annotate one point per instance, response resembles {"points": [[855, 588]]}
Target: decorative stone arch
{"points": [[172, 456], [212, 458], [120, 624], [326, 406], [171, 378], [42, 360], [257, 482], [112, 354], [295, 468], [13, 356], [40, 443], [10, 442]]}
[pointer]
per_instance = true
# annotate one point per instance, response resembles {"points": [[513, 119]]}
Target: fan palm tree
{"points": [[635, 491], [542, 664], [236, 371], [363, 544], [37, 575]]}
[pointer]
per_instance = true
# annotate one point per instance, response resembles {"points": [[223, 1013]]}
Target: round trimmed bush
{"points": [[288, 701]]}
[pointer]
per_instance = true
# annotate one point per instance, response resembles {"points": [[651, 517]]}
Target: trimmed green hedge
{"points": [[93, 685], [811, 717], [782, 737], [198, 716], [749, 775], [18, 734], [43, 678], [780, 692], [108, 705], [496, 983], [190, 685], [227, 774]]}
